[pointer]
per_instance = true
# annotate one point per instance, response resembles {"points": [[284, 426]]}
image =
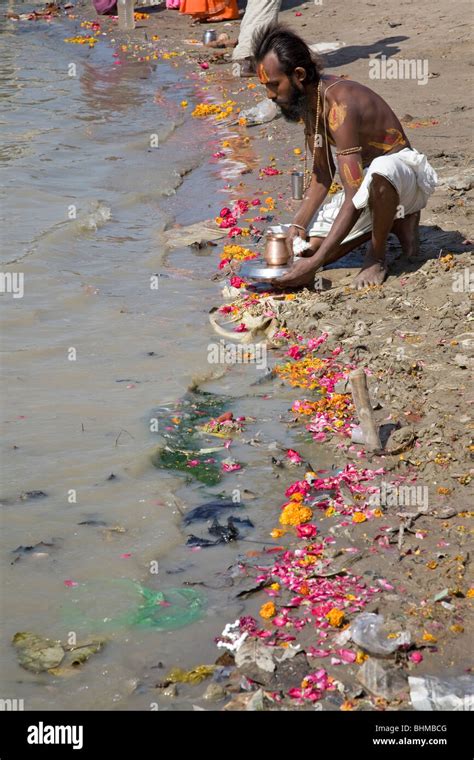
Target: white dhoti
{"points": [[408, 171], [258, 13]]}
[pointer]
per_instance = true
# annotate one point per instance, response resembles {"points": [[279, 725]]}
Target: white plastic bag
{"points": [[264, 111], [433, 694], [367, 632]]}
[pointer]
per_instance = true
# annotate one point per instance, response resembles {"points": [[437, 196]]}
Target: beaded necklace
{"points": [[308, 174]]}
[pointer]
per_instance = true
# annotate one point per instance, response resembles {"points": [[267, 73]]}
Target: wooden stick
{"points": [[361, 398]]}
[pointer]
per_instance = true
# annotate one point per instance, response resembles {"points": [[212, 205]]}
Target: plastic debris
{"points": [[367, 632], [179, 424], [382, 681], [117, 603], [263, 112], [254, 652], [433, 694], [208, 510], [196, 675]]}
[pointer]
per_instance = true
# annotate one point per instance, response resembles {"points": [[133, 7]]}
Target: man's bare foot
{"points": [[373, 272], [300, 275], [406, 230]]}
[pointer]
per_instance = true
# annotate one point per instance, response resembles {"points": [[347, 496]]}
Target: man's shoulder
{"points": [[340, 88]]}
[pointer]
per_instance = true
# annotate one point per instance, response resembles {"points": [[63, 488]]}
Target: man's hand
{"points": [[300, 275], [293, 233]]}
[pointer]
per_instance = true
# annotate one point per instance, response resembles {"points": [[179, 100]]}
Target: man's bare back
{"points": [[355, 129], [380, 132]]}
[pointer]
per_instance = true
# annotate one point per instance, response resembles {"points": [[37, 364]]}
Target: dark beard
{"points": [[295, 110]]}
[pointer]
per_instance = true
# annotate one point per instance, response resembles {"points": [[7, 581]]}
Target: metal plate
{"points": [[258, 270]]}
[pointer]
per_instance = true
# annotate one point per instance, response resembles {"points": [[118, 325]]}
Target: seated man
{"points": [[385, 182]]}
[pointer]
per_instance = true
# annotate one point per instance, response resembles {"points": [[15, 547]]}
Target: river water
{"points": [[90, 349]]}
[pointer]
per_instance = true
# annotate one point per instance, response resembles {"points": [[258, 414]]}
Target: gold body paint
{"points": [[354, 180], [337, 115], [393, 138], [262, 74]]}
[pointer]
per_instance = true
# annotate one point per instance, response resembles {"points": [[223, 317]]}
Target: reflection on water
{"points": [[90, 349], [110, 90]]}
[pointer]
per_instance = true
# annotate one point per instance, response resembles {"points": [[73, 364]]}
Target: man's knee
{"points": [[381, 188]]}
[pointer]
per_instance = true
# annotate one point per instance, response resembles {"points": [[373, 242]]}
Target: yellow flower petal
{"points": [[359, 517], [277, 533], [267, 610], [335, 617]]}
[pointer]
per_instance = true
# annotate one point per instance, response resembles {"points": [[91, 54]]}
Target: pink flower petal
{"points": [[385, 585], [293, 456], [318, 652], [306, 531], [347, 655]]}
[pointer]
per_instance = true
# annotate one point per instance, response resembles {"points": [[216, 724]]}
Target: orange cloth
{"points": [[214, 10]]}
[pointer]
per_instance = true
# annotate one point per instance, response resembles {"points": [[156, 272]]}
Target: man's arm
{"points": [[347, 137], [351, 173], [350, 168], [315, 195], [317, 191]]}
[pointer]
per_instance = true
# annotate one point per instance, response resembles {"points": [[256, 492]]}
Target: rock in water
{"points": [[214, 692]]}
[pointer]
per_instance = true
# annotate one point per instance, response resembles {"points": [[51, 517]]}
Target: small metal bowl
{"points": [[259, 270], [210, 35]]}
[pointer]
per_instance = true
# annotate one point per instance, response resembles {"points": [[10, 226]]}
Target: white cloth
{"points": [[300, 245], [408, 171], [257, 14], [325, 218]]}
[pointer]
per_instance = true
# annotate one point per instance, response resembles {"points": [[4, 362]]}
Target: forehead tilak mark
{"points": [[262, 74]]}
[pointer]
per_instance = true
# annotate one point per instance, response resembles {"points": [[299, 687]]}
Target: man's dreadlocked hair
{"points": [[290, 49]]}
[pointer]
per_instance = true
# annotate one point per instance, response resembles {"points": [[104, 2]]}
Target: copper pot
{"points": [[276, 253]]}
